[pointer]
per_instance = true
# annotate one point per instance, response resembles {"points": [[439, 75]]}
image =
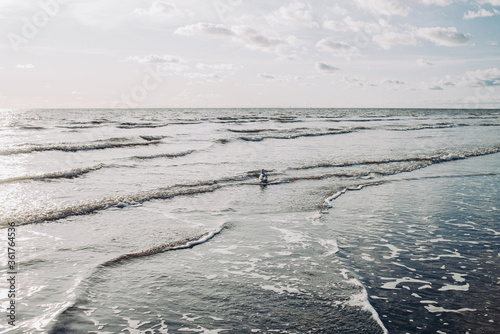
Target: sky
{"points": [[242, 53]]}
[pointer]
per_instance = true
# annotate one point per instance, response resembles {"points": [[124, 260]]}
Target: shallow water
{"points": [[153, 221]]}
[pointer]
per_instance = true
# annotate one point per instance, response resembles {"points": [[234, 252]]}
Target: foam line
{"points": [[177, 245], [65, 174], [105, 203], [75, 147], [164, 155]]}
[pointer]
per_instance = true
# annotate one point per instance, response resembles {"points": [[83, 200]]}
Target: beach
{"points": [[155, 221]]}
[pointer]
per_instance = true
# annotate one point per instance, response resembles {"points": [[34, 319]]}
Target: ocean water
{"points": [[154, 221]]}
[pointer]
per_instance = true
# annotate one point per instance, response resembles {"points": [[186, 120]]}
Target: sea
{"points": [[145, 221]]}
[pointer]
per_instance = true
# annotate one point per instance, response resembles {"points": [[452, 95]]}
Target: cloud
{"points": [[202, 76], [162, 63], [203, 28], [159, 8], [330, 45], [441, 3], [349, 24], [266, 76], [217, 67], [423, 62], [283, 78], [389, 38], [443, 36], [296, 13], [25, 66], [490, 2], [394, 82], [325, 68], [480, 13], [334, 25], [254, 39], [155, 59], [352, 82], [386, 7], [480, 78], [246, 35]]}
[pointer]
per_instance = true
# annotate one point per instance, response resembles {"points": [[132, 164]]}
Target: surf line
{"points": [[176, 245], [339, 193]]}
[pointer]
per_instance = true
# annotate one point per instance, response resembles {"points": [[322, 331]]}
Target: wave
{"points": [[30, 127], [428, 126], [248, 178], [95, 272], [131, 125], [75, 147], [176, 245], [379, 119], [298, 135], [236, 120], [164, 155], [433, 159], [251, 130], [85, 208], [66, 174], [152, 138]]}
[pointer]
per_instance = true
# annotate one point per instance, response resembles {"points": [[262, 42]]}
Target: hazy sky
{"points": [[242, 53]]}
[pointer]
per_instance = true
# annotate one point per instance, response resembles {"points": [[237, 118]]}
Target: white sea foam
{"points": [[435, 309], [448, 287], [361, 300], [393, 285]]}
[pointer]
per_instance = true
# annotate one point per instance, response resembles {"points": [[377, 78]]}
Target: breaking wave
{"points": [[425, 160], [131, 125], [75, 147], [176, 245], [164, 155], [85, 208], [66, 174], [295, 135]]}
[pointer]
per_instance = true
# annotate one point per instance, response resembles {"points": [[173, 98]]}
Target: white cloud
{"points": [[163, 63], [296, 13], [250, 37], [325, 68], [387, 39], [217, 67], [423, 62], [162, 8], [330, 45], [443, 36], [353, 82], [489, 77], [386, 7], [434, 87], [481, 13], [441, 3], [266, 76], [480, 78], [155, 59], [334, 25], [203, 28], [25, 66], [272, 77], [254, 39], [202, 76], [490, 2], [349, 24], [393, 82]]}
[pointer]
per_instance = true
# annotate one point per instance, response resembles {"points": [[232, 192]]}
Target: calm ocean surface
{"points": [[154, 221]]}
